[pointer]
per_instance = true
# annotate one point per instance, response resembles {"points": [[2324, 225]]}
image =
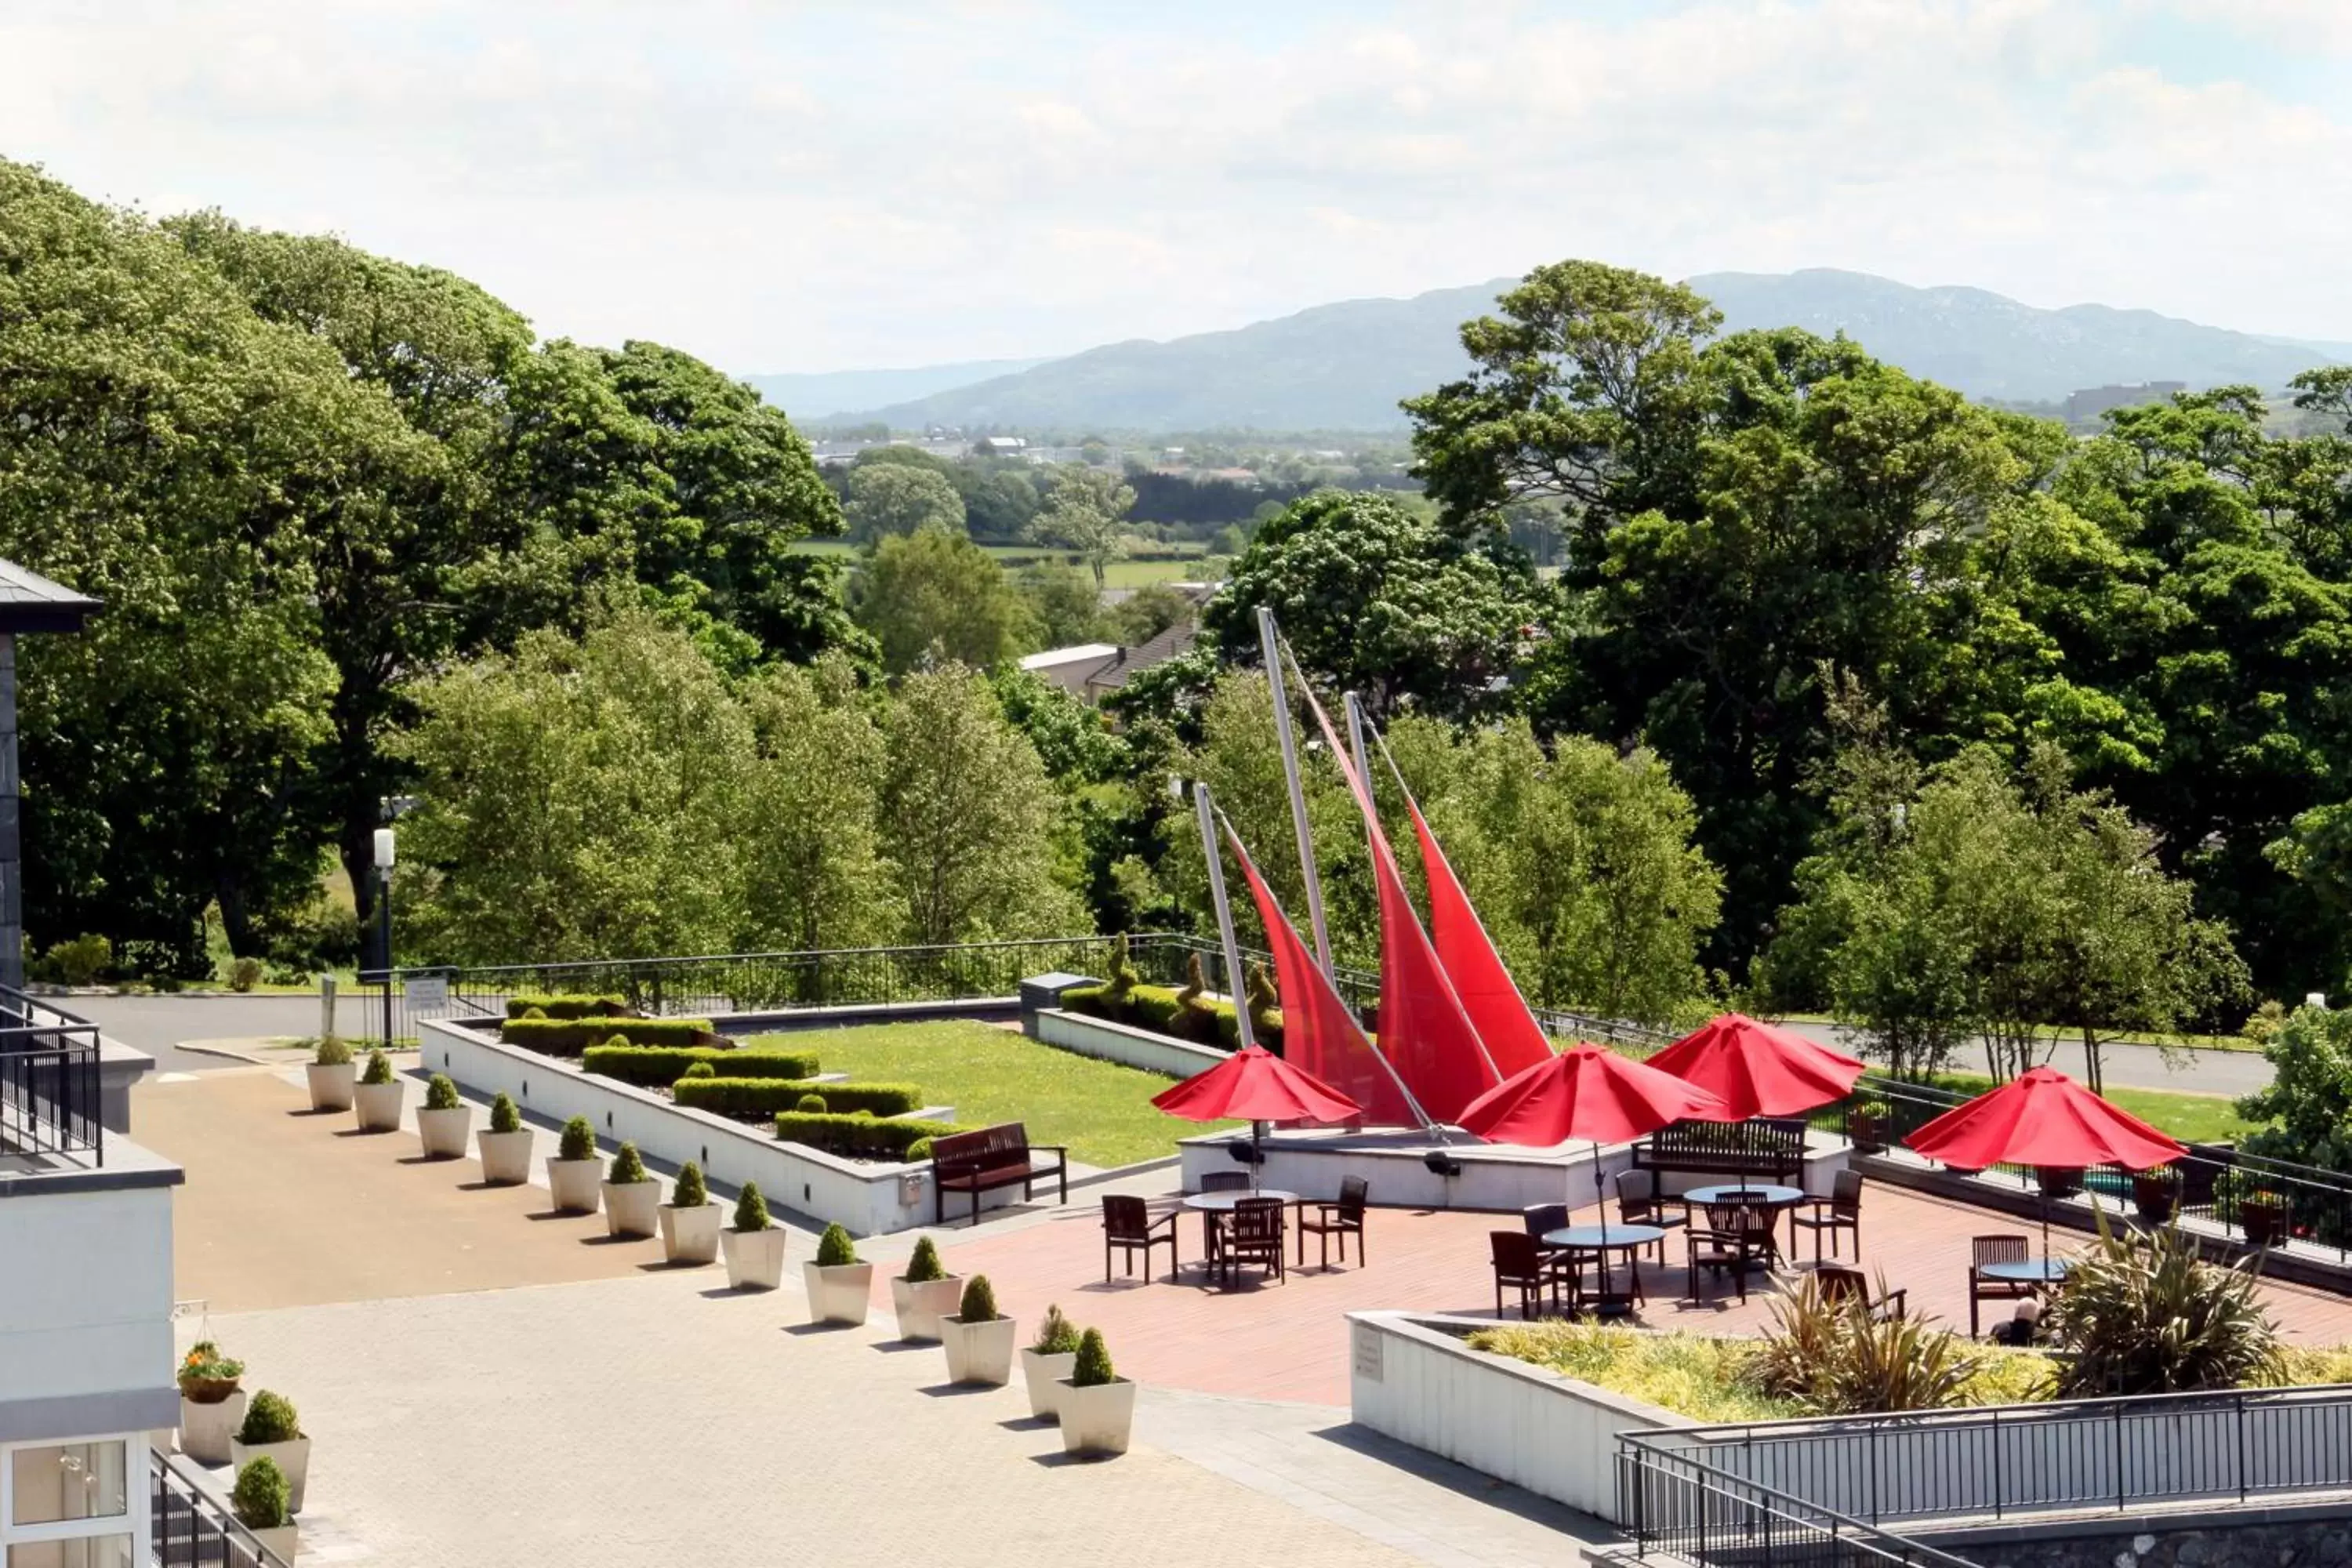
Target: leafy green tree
{"points": [[816, 876], [893, 500], [2306, 1115], [1149, 611], [1087, 514], [931, 598], [1068, 608]]}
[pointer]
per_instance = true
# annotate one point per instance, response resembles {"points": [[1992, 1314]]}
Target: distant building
{"points": [[2083, 408], [999, 446], [1092, 671]]}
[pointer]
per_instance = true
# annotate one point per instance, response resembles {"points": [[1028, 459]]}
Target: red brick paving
{"points": [[1288, 1340]]}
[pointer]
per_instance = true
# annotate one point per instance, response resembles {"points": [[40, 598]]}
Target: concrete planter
{"points": [[575, 1183], [331, 1084], [631, 1207], [378, 1105], [839, 1294], [1096, 1420], [979, 1352], [443, 1132], [206, 1430], [921, 1306], [293, 1461], [755, 1259], [282, 1542], [505, 1156], [1043, 1374], [691, 1235]]}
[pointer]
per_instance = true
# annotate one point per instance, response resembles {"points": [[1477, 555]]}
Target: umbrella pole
{"points": [[1257, 1153], [1601, 1197]]}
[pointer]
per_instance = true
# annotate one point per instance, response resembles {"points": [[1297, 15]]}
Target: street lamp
{"points": [[385, 853]]}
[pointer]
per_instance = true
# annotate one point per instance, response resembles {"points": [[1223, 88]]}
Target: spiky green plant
{"points": [[1835, 1357], [1056, 1336], [2144, 1312]]}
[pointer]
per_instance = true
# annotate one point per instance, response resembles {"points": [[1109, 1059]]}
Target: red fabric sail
{"points": [[1318, 1034], [1422, 1027], [1255, 1085], [2042, 1117], [1514, 1040]]}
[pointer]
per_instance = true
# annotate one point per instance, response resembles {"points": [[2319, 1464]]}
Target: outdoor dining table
{"points": [[1211, 1204], [1766, 1195], [1602, 1240], [2028, 1271]]}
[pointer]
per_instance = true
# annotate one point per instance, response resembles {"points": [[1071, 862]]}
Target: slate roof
{"points": [[31, 603]]}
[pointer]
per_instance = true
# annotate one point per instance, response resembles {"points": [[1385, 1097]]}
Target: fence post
{"points": [[2118, 1409]]}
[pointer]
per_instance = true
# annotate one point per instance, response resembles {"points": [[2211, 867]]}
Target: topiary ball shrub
{"points": [[334, 1051], [689, 1193], [261, 1495], [244, 974], [1093, 1366], [441, 1093], [1056, 1336], [579, 1140], [834, 1249], [918, 1150], [628, 1167], [924, 1266], [504, 1116], [270, 1418], [812, 1105], [750, 1208], [534, 1012], [701, 1070], [978, 1301], [378, 1069]]}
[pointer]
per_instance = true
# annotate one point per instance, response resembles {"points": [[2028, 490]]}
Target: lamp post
{"points": [[385, 853]]}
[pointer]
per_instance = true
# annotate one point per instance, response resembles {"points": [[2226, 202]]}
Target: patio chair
{"points": [[1736, 1238], [1523, 1265], [1639, 1202], [1129, 1226], [1254, 1235], [1841, 1282], [1213, 1224], [1984, 1249], [1225, 1181], [1841, 1211], [1343, 1219]]}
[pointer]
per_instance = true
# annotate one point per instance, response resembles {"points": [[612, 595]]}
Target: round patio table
{"points": [[1211, 1204], [2031, 1271], [1604, 1239], [1763, 1195]]}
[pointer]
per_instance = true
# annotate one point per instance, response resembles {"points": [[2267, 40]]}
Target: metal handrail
{"points": [[1683, 1505], [189, 1530], [49, 1088]]}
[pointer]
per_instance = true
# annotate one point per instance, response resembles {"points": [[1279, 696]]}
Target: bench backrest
{"points": [[1005, 1145], [1774, 1144]]}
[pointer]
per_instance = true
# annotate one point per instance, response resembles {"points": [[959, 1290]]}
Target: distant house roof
{"points": [[1077, 653], [1093, 671], [31, 603]]}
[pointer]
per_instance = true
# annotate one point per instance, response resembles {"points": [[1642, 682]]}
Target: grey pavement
{"points": [[158, 1025], [2128, 1065]]}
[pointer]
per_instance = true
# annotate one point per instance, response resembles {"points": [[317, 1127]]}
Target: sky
{"points": [[779, 186]]}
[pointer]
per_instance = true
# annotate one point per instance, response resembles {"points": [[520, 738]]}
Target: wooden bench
{"points": [[993, 1157], [1766, 1149]]}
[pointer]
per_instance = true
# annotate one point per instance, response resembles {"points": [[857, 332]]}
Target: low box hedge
{"points": [[658, 1066], [1163, 1010], [862, 1137], [570, 1036], [567, 1005], [760, 1098]]}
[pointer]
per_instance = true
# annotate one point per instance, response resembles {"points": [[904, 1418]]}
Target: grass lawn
{"points": [[1101, 1110], [1191, 568], [2070, 1037], [2192, 1118]]}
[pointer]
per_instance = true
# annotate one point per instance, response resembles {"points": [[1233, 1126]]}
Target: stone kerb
{"points": [[1123, 1043]]}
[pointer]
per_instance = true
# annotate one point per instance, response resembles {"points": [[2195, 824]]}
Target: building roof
{"points": [[1053, 657], [1132, 662], [31, 603]]}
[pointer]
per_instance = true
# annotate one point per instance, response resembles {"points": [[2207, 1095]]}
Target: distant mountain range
{"points": [[824, 393], [1345, 366]]}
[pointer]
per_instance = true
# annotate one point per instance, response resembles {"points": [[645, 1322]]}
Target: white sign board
{"points": [[427, 994]]}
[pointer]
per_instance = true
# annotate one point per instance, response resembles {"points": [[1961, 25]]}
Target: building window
{"points": [[67, 1480], [90, 1551], [72, 1504]]}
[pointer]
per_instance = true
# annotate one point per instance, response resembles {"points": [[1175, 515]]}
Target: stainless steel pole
{"points": [[1235, 985], [1271, 642], [1356, 736]]}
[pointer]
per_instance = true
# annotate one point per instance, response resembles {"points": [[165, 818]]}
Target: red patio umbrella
{"points": [[1757, 1069], [1589, 1093], [1255, 1084]]}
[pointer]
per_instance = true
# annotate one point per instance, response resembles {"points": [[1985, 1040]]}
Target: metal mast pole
{"points": [[1356, 737], [1210, 847], [1271, 642]]}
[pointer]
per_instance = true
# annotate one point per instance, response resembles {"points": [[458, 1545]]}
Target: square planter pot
{"points": [[575, 1185], [921, 1306], [505, 1156], [331, 1084], [630, 1208], [206, 1430], [2264, 1225], [443, 1132], [755, 1259], [839, 1294], [378, 1105], [284, 1541], [293, 1459], [979, 1352], [1043, 1374], [691, 1235], [1096, 1420]]}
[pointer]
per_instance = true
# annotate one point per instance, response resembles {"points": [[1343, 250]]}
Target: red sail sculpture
{"points": [[1320, 1035], [1422, 1027], [1513, 1039]]}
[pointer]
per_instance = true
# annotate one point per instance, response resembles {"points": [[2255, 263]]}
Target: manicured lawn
{"points": [[1102, 1111]]}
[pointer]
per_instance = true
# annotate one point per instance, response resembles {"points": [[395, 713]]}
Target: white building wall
{"points": [[85, 1292]]}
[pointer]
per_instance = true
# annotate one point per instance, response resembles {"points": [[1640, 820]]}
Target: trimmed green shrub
{"points": [[579, 1140], [627, 1166], [918, 1151], [658, 1066], [689, 1193], [1162, 1010], [441, 1093], [978, 1301], [750, 1208], [1093, 1366], [1056, 1336], [333, 1052], [571, 1036], [244, 975], [862, 1137], [566, 1005], [757, 1099], [79, 961], [834, 1249], [378, 1069], [814, 1105], [923, 1264], [701, 1070], [261, 1496], [270, 1418]]}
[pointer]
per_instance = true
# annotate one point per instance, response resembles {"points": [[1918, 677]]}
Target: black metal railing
{"points": [[2013, 1461], [191, 1531], [48, 1079], [1677, 1504]]}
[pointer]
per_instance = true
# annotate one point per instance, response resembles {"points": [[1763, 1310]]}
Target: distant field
{"points": [[1121, 573]]}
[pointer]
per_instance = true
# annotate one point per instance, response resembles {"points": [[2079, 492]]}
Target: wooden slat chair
{"points": [[1343, 1219], [1984, 1249], [1130, 1227], [1213, 1223], [1521, 1264], [1840, 1212], [1840, 1282], [1254, 1235], [1638, 1203], [1734, 1240]]}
